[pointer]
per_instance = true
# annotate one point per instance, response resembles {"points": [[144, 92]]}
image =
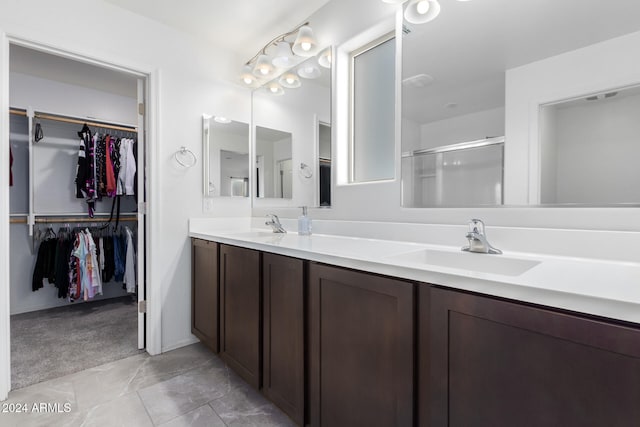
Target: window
{"points": [[372, 103]]}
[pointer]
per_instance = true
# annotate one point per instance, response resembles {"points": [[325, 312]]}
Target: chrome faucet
{"points": [[478, 239], [274, 222]]}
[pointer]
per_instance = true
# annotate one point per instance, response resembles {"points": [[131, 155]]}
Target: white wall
{"points": [[47, 95], [596, 151], [182, 72], [548, 155]]}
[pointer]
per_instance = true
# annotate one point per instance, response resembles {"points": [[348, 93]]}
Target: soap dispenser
{"points": [[304, 223]]}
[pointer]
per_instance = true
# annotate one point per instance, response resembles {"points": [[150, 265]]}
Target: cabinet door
{"points": [[499, 363], [283, 302], [240, 315], [361, 349], [204, 292], [423, 356]]}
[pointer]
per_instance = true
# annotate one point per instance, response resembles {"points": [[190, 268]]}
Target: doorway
{"points": [[87, 93]]}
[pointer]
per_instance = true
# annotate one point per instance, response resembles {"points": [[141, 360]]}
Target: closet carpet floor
{"points": [[189, 386], [58, 341]]}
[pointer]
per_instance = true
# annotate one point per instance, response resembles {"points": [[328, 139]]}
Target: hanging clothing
{"points": [[109, 263], [130, 267], [119, 257], [63, 253], [127, 172], [45, 263], [89, 279], [93, 266], [86, 169], [110, 178], [10, 166], [101, 165]]}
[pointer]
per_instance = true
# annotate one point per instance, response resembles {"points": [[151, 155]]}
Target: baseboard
{"points": [[183, 343]]}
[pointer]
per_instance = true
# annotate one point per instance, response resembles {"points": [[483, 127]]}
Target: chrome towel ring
{"points": [[185, 157]]}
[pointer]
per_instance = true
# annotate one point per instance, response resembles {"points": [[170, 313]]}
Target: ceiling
{"points": [[468, 47], [242, 26]]}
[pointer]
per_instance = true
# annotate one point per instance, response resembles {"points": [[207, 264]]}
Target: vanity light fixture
{"points": [[290, 80], [247, 75], [305, 44], [419, 11], [264, 65], [223, 120], [274, 89], [283, 57], [309, 70], [325, 57]]}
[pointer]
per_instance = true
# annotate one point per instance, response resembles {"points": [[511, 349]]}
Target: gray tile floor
{"points": [[189, 386]]}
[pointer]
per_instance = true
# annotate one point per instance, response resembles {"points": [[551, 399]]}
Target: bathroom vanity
{"points": [[353, 331]]}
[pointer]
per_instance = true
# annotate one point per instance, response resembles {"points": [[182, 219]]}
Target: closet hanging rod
{"points": [[56, 220], [63, 220], [17, 112], [80, 121]]}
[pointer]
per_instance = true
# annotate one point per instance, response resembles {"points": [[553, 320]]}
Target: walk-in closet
{"points": [[77, 214]]}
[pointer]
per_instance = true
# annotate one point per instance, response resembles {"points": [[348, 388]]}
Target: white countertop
{"points": [[603, 288]]}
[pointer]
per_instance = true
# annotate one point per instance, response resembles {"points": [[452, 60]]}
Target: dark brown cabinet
{"points": [[500, 363], [204, 292], [423, 356], [240, 312], [283, 333], [361, 349], [337, 347]]}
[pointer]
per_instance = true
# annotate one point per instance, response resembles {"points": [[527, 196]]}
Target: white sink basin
{"points": [[486, 263]]}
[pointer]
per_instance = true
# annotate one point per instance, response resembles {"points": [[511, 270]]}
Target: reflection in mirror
{"points": [[274, 177], [301, 104], [226, 157], [449, 108], [454, 89], [324, 164], [466, 174], [590, 148]]}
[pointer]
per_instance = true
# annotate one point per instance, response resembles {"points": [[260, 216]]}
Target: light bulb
{"points": [[247, 75], [305, 44], [422, 7], [273, 89], [290, 80], [263, 66]]}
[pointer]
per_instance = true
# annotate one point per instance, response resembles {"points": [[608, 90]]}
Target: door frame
{"points": [[151, 77]]}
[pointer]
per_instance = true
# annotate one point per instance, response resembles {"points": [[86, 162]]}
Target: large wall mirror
{"points": [[292, 117], [226, 157], [458, 108]]}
